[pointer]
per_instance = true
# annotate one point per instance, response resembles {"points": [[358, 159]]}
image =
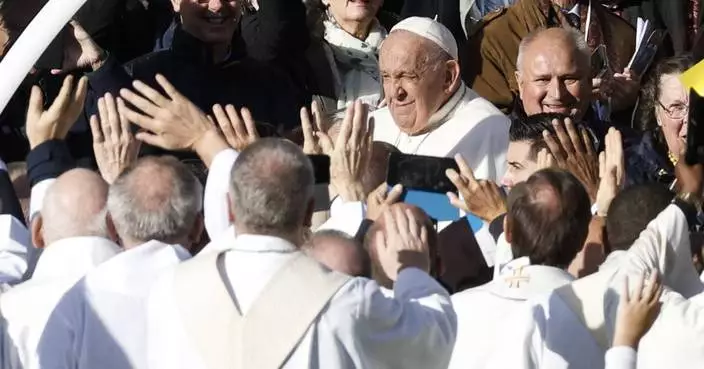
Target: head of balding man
{"points": [[554, 73], [370, 243], [157, 199], [74, 206], [340, 252], [419, 77]]}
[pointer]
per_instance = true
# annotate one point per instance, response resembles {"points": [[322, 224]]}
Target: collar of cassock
{"points": [[445, 113], [260, 243], [520, 280], [73, 256]]}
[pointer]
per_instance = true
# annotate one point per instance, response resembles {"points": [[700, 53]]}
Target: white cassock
{"points": [[361, 327], [480, 309], [467, 124], [551, 331], [27, 307], [101, 321]]}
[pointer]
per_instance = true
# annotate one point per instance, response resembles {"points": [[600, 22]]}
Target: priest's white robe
{"points": [[548, 332], [101, 322], [467, 124], [480, 309], [361, 327], [27, 307], [15, 250]]}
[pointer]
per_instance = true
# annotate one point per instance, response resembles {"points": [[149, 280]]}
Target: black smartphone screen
{"points": [[424, 173], [695, 129], [321, 168]]}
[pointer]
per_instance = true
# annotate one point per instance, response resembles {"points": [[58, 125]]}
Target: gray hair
{"points": [[271, 187], [574, 35], [158, 198]]}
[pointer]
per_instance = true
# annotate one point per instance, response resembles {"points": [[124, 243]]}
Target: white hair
{"points": [[575, 36]]}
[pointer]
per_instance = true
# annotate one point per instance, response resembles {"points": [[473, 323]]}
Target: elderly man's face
{"points": [[211, 21], [354, 10], [554, 78], [414, 90]]}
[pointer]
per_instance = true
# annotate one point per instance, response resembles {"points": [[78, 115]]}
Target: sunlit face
{"points": [[354, 10], [520, 164], [553, 79], [671, 112], [211, 21], [413, 91]]}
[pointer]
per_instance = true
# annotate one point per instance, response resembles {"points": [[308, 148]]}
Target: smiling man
{"points": [[429, 109]]}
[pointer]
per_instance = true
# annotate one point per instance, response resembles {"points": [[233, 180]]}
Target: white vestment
{"points": [[101, 321], [361, 327], [480, 309], [467, 124], [27, 307], [15, 249], [549, 332]]}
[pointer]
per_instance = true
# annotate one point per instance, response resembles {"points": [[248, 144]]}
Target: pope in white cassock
{"points": [[429, 109]]}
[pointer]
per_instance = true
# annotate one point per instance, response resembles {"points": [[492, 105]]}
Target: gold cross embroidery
{"points": [[515, 280]]}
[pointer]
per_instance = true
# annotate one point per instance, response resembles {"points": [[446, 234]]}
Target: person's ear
{"points": [[177, 5], [507, 230], [308, 217], [230, 210], [37, 236], [519, 82], [453, 77], [196, 233], [112, 230]]}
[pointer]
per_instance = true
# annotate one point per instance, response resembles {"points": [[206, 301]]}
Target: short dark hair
{"points": [[548, 218], [530, 129], [632, 210]]}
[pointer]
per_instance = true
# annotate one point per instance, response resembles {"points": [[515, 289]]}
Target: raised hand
{"points": [[315, 134], [403, 243], [637, 310], [481, 198], [623, 90], [80, 51], [611, 171], [54, 123], [574, 152], [113, 143], [240, 130], [545, 159], [351, 153], [171, 122], [381, 199]]}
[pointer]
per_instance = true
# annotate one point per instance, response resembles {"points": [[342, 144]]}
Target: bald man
{"points": [[370, 244], [73, 232], [340, 252], [429, 109]]}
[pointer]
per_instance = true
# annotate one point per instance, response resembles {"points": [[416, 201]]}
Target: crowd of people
{"points": [[163, 202]]}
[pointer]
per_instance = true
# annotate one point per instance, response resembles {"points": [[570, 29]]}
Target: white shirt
{"points": [[360, 328], [15, 245], [27, 307], [101, 321], [467, 124], [620, 357], [547, 333], [481, 309]]}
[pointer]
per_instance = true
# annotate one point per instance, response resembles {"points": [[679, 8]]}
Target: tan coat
{"points": [[492, 49]]}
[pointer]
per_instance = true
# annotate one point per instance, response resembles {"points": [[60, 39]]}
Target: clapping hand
{"points": [[403, 243], [113, 143], [55, 122], [611, 171], [637, 311], [545, 159], [381, 199], [240, 130], [351, 153], [574, 152], [623, 90], [315, 134], [171, 122], [481, 197], [80, 50]]}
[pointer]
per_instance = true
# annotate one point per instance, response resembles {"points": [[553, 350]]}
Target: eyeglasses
{"points": [[676, 111]]}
